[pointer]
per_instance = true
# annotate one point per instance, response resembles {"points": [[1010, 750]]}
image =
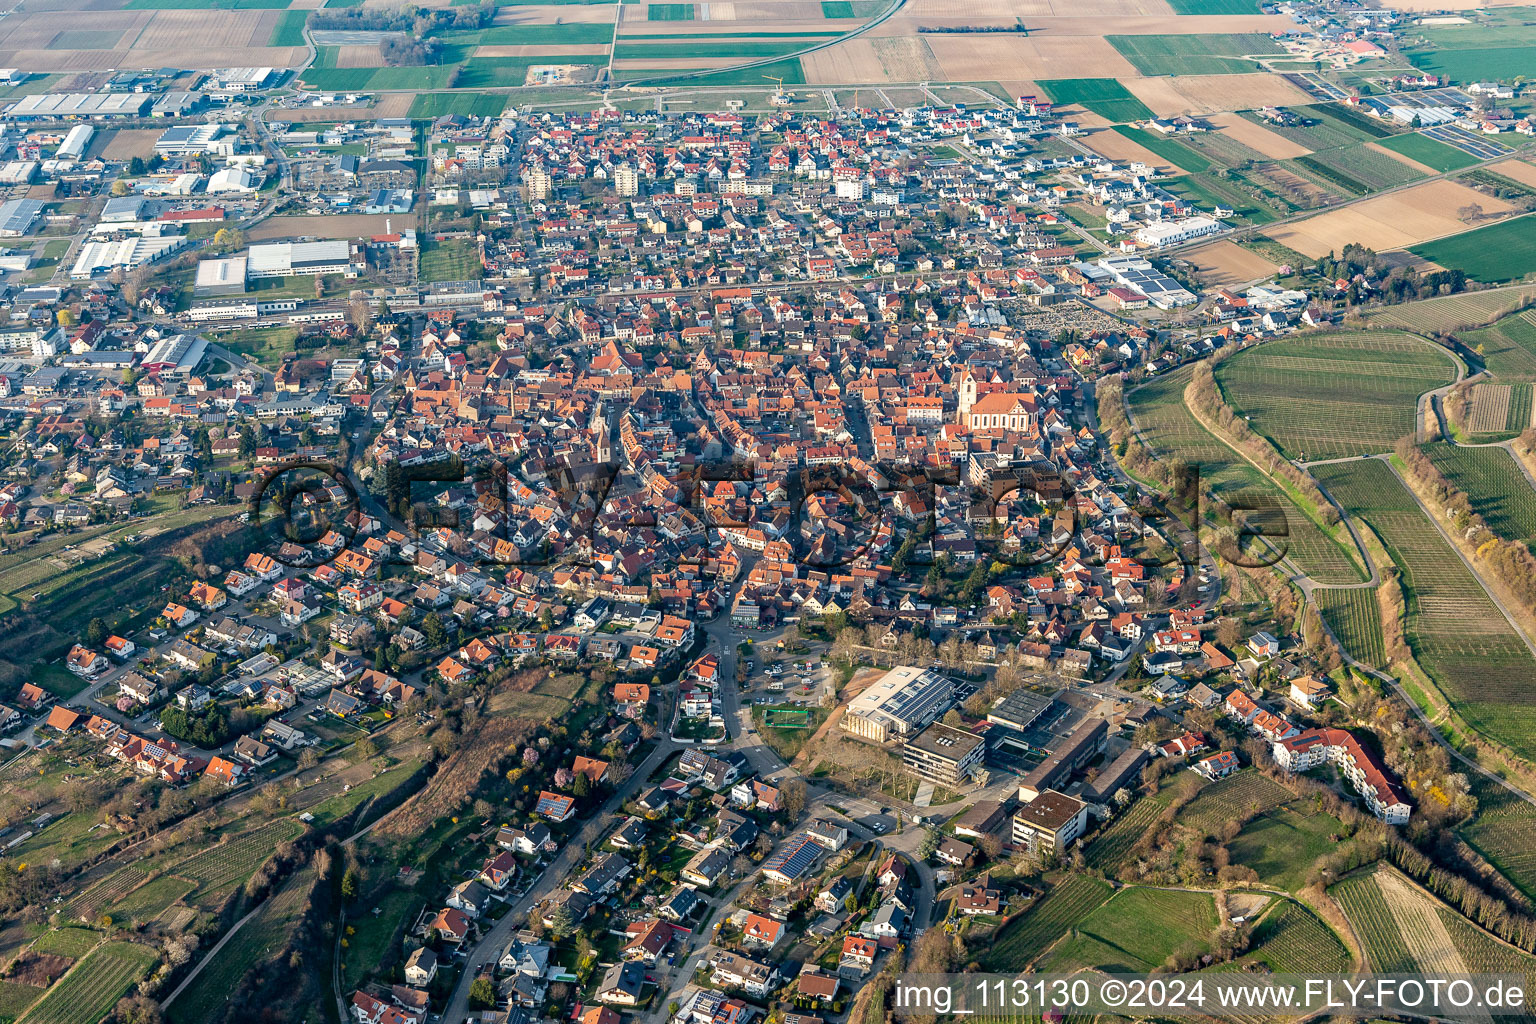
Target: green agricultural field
{"points": [[696, 46], [1508, 347], [1032, 932], [507, 72], [1499, 252], [91, 902], [1334, 395], [1136, 931], [1233, 797], [1283, 843], [1171, 432], [1175, 152], [1208, 7], [467, 104], [206, 5], [788, 69], [1355, 618], [1475, 65], [1456, 631], [1221, 53], [1429, 152], [1360, 898], [363, 79], [94, 985], [457, 259], [289, 30], [669, 12], [1290, 939], [1494, 483], [1104, 96]]}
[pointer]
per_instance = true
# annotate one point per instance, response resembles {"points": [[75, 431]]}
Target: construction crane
{"points": [[780, 98]]}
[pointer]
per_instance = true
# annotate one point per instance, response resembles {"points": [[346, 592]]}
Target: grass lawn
{"points": [[1500, 252], [71, 942], [1282, 844], [58, 680], [370, 933], [457, 259], [1104, 96]]}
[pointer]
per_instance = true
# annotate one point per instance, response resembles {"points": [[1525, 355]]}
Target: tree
{"points": [[349, 885], [432, 629], [560, 923], [482, 994], [359, 315], [121, 188], [792, 796], [229, 239], [308, 758], [96, 632]]}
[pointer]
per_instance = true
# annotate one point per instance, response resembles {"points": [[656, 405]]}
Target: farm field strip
{"points": [[1508, 346], [1494, 483], [1456, 630], [1499, 252], [1171, 431], [93, 986], [1362, 902], [1453, 312], [1355, 618], [1334, 396], [1226, 799]]}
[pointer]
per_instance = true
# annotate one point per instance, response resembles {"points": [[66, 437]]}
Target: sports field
{"points": [[1493, 483], [1220, 53], [1104, 96], [1428, 151], [1456, 631], [1172, 432], [1334, 396], [1500, 252]]}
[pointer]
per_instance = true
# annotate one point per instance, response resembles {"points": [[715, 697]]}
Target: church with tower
{"points": [[989, 405]]}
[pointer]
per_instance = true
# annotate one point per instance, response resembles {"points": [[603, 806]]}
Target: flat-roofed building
{"points": [[17, 216], [900, 703], [64, 105], [224, 276], [1073, 752], [1050, 823], [943, 755], [290, 259]]}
